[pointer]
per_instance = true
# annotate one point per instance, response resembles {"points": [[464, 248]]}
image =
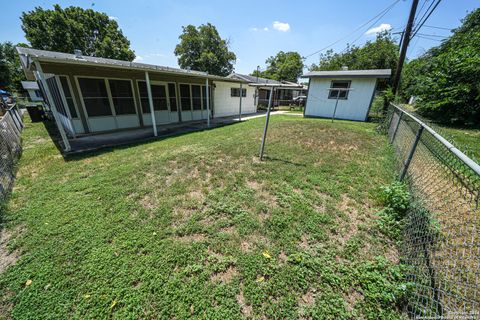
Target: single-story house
{"points": [[90, 95], [284, 92], [343, 94], [33, 90]]}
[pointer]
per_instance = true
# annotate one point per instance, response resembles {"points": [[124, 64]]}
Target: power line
{"points": [[423, 20], [435, 27], [432, 35], [354, 31]]}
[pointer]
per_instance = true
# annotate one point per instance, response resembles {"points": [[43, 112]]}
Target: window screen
{"points": [[159, 97], [204, 96], [172, 93], [235, 92], [57, 98], [197, 97], [342, 94], [95, 97], [122, 96], [185, 97], [68, 96]]}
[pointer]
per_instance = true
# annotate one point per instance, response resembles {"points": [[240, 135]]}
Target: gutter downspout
{"points": [[208, 102], [52, 106]]}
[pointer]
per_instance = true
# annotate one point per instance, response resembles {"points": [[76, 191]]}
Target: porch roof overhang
{"points": [[28, 55], [276, 85]]}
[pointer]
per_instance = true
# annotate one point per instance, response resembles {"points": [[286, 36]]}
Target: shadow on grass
{"points": [[54, 134], [274, 159]]}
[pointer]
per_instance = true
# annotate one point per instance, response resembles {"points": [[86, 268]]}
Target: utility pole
{"points": [[403, 49]]}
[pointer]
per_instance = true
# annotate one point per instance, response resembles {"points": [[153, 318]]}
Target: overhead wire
{"points": [[354, 31]]}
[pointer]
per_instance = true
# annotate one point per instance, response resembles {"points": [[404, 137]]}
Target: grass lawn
{"points": [[467, 140], [195, 226]]}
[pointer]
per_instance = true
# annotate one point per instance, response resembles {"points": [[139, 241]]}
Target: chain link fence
{"points": [[441, 244], [11, 126]]}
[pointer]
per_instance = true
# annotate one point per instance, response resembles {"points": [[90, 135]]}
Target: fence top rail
{"points": [[463, 157]]}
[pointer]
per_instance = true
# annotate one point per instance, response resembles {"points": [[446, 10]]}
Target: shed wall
{"points": [[354, 108]]}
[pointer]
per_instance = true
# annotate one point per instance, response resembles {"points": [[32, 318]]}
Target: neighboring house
{"points": [[93, 94], [343, 94], [33, 90], [284, 94]]}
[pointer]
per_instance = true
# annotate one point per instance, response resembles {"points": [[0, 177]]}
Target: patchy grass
{"points": [[195, 226]]}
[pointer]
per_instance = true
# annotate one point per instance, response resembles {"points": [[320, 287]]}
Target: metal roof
{"points": [[60, 57], [263, 82], [30, 85], [373, 73]]}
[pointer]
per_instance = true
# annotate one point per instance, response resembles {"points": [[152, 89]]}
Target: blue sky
{"points": [[255, 29]]}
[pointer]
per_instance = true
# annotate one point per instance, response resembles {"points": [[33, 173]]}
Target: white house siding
{"points": [[354, 108], [226, 105]]}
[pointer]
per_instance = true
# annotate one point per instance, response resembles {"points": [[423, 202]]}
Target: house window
{"points": [[342, 94], [204, 96], [38, 94], [159, 97], [172, 94], [68, 96], [122, 96], [95, 97], [235, 92], [185, 97], [57, 98], [197, 97]]}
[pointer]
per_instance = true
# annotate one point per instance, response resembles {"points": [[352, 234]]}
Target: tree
{"points": [[284, 66], [201, 48], [379, 54], [445, 78], [73, 28], [10, 69]]}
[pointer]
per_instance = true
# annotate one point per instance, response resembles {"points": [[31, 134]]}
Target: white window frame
{"points": [[331, 88], [109, 95], [64, 98]]}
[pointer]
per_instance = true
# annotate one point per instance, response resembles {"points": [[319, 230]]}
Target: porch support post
{"points": [[150, 102], [240, 104], [41, 75], [207, 93]]}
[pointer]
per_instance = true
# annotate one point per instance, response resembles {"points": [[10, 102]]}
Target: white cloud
{"points": [[380, 28], [254, 29], [281, 26], [138, 59], [265, 29], [113, 18]]}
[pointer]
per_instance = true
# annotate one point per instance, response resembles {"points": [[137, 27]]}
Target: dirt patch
{"points": [[245, 246], [148, 202], [307, 299], [226, 276], [303, 244], [196, 237], [347, 206], [244, 308], [352, 297], [8, 258], [283, 257]]}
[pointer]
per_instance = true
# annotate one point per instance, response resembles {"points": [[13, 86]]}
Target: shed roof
{"points": [[30, 85], [373, 73], [264, 82], [67, 58]]}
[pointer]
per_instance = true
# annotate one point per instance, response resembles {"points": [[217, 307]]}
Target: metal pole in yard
{"points": [[150, 102], [208, 103], [240, 104], [336, 103], [410, 154], [396, 126], [262, 148]]}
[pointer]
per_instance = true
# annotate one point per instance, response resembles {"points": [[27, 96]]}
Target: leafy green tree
{"points": [[379, 54], [73, 28], [445, 78], [284, 66], [10, 69], [201, 48]]}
